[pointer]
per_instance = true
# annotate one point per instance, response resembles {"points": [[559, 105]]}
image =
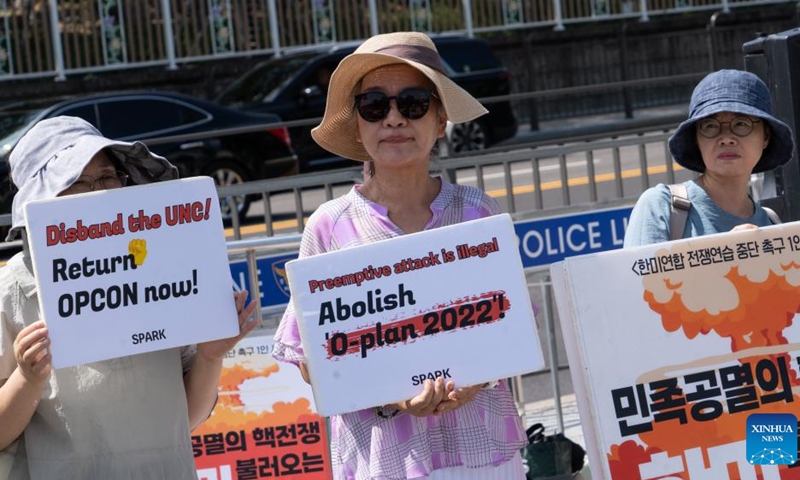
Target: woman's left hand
{"points": [[744, 226], [216, 349], [458, 398]]}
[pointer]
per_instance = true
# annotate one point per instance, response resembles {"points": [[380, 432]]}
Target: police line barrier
{"points": [[542, 241]]}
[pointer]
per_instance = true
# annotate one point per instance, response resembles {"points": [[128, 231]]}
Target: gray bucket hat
{"points": [[732, 91], [54, 152]]}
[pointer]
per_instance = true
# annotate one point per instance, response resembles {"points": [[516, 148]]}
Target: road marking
{"points": [[500, 192], [524, 171], [578, 181], [276, 225]]}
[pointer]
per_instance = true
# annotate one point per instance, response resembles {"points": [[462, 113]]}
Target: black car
{"points": [[295, 87], [229, 158]]}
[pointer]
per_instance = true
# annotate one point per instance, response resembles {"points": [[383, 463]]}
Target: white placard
{"points": [[131, 270], [673, 346], [379, 319]]}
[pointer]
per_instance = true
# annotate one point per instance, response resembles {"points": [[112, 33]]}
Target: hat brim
{"points": [[337, 131], [135, 158], [683, 142]]}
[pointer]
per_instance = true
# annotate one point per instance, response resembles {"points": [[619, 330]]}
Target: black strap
{"points": [[680, 206], [773, 217], [678, 210]]}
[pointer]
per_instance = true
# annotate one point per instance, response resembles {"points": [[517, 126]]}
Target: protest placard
{"points": [[131, 270], [377, 320], [264, 423], [677, 350]]}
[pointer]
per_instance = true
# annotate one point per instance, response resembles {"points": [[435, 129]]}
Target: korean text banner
{"points": [[377, 320], [264, 424], [672, 347], [131, 270]]}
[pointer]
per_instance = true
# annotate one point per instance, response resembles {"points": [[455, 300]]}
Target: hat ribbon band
{"points": [[415, 53], [718, 100]]}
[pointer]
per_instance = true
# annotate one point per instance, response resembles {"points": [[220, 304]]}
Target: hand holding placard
{"points": [[217, 349], [429, 400], [114, 282], [400, 312], [32, 354]]}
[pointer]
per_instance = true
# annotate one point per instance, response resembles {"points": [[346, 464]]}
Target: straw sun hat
{"points": [[337, 132], [738, 92]]}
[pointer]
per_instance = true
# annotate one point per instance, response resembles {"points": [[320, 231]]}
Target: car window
{"points": [[318, 76], [468, 58], [85, 111], [142, 117], [262, 83], [14, 123], [321, 76]]}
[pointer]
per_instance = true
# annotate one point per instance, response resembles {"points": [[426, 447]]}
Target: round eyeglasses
{"points": [[87, 183], [712, 128], [412, 103]]}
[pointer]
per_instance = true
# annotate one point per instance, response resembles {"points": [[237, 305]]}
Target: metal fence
{"points": [[531, 180], [41, 38]]}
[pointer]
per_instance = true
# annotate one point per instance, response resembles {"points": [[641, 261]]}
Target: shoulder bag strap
{"points": [[773, 217], [679, 210]]}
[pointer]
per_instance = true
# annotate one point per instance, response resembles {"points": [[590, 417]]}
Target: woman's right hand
{"points": [[426, 402], [31, 350]]}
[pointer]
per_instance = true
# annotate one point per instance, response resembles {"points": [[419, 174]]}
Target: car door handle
{"points": [[188, 145]]}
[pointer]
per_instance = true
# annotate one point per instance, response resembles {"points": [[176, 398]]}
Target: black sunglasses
{"points": [[412, 103]]}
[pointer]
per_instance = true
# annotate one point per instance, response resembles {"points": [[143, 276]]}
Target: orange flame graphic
{"points": [[229, 414], [751, 302], [763, 312], [231, 378]]}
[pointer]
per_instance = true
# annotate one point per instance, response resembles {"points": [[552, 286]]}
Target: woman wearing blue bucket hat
{"points": [[730, 134]]}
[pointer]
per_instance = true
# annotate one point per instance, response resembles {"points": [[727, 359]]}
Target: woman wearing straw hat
{"points": [[730, 134], [388, 103]]}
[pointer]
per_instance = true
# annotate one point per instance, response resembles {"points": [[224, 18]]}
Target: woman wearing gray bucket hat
{"points": [[388, 102], [125, 418], [730, 134]]}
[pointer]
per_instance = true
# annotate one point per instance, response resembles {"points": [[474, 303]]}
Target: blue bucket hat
{"points": [[732, 91], [53, 153]]}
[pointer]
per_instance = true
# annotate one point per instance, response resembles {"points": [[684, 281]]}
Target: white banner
{"points": [[131, 270], [377, 320], [674, 346]]}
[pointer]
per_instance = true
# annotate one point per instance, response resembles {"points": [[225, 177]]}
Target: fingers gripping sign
{"points": [[31, 350], [437, 397], [744, 226], [216, 349], [458, 398], [424, 404]]}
